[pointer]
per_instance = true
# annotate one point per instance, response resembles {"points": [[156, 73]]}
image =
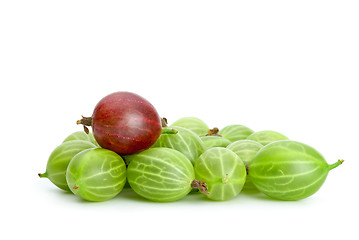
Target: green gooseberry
{"points": [[266, 137], [81, 135], [184, 141], [246, 150], [235, 132], [223, 172], [160, 174], [60, 159], [215, 141], [194, 124], [289, 170], [96, 174]]}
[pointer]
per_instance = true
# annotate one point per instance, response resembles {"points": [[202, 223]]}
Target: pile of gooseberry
{"points": [[130, 145]]}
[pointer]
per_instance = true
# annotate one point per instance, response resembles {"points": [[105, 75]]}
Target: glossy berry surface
{"points": [[81, 135], [125, 123], [289, 170], [246, 150], [235, 132], [265, 137], [184, 141], [96, 174], [223, 171], [194, 124], [160, 174], [59, 160], [215, 141]]}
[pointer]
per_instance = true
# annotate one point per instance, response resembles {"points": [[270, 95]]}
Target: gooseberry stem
{"points": [[213, 132], [169, 131], [164, 122], [334, 165], [41, 175], [166, 130], [85, 121], [202, 186]]}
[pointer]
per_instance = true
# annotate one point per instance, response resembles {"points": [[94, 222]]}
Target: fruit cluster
{"points": [[130, 142]]}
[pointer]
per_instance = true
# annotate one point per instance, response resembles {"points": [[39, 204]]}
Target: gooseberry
{"points": [[223, 172], [289, 170], [246, 150], [96, 174], [215, 141], [161, 175], [124, 122], [184, 141], [235, 132], [60, 159], [81, 135], [196, 125], [266, 137]]}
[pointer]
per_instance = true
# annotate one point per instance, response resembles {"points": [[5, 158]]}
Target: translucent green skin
{"points": [[213, 166], [215, 141], [289, 170], [60, 159], [235, 132], [81, 135], [194, 124], [266, 137], [246, 150], [160, 174], [185, 141], [96, 174]]}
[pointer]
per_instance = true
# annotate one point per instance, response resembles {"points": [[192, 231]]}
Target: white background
{"points": [[288, 66]]}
